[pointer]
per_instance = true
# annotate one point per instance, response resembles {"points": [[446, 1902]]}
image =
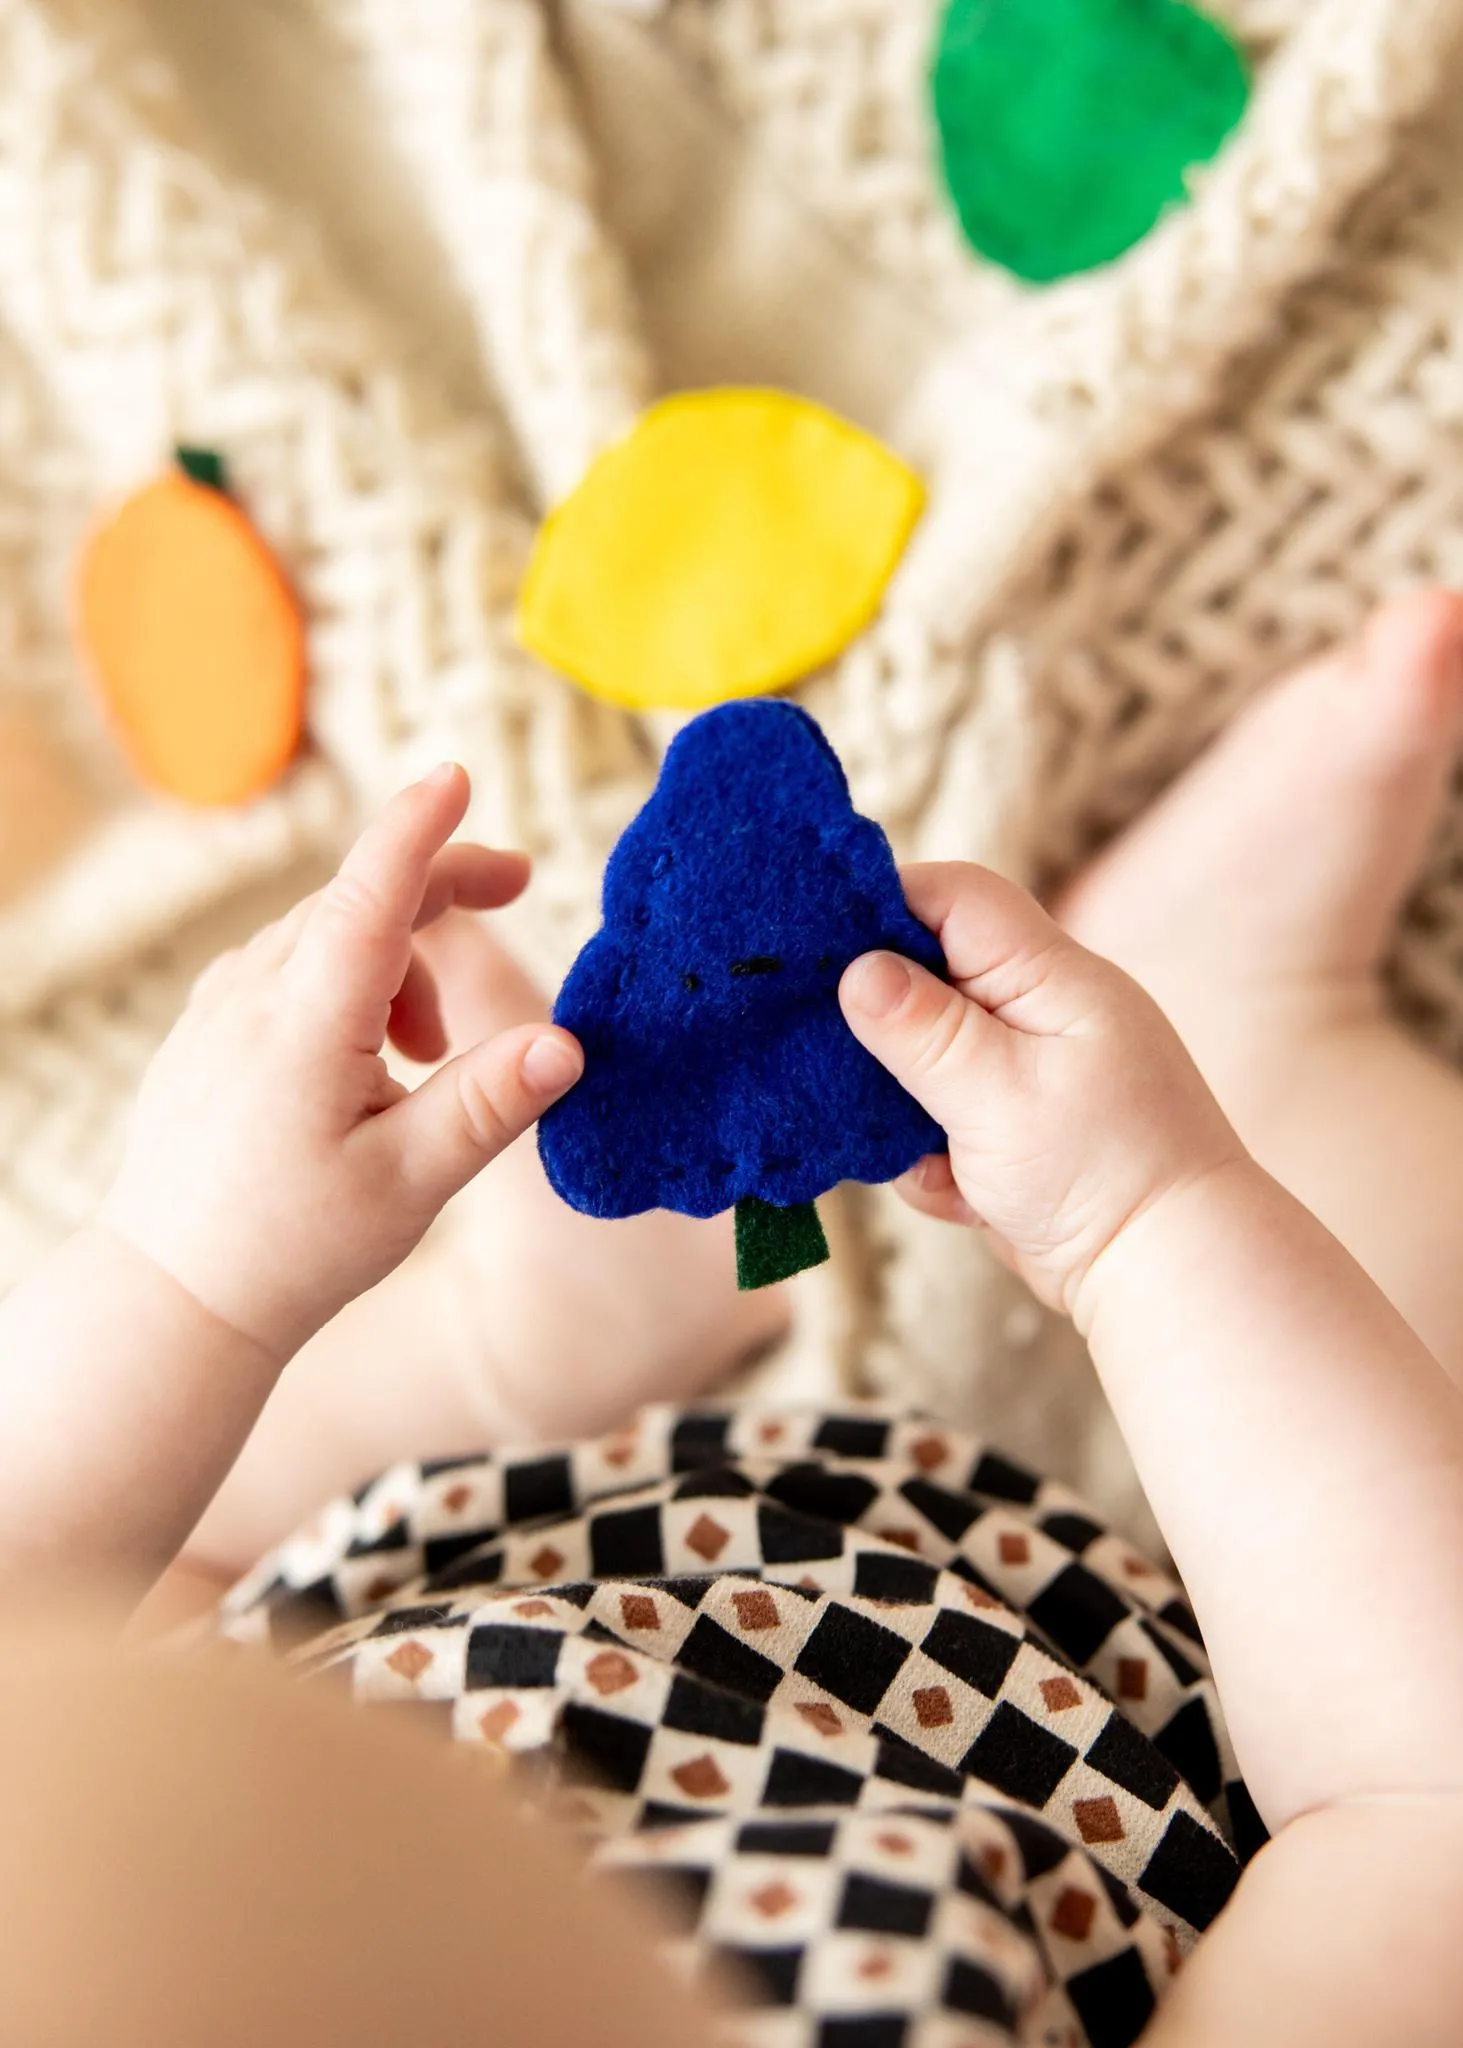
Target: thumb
{"points": [[474, 1107], [937, 1043]]}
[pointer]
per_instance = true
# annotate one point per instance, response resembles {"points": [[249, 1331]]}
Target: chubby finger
{"points": [[1001, 947], [415, 1026], [931, 1188], [465, 876], [937, 1043], [352, 950], [473, 1108]]}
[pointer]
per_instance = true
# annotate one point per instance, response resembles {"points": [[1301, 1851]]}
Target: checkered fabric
{"points": [[912, 1751]]}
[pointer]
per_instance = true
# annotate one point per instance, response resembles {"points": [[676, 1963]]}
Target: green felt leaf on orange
{"points": [[732, 543], [1068, 128], [204, 465]]}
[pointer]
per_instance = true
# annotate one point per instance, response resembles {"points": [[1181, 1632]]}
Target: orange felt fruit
{"points": [[195, 640]]}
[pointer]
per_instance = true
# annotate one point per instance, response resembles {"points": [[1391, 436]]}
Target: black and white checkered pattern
{"points": [[714, 1624], [917, 1924]]}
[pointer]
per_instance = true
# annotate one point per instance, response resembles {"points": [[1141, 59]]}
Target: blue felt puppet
{"points": [[718, 1067]]}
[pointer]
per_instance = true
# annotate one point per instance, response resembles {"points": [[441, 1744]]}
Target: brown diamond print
{"points": [[530, 1609], [1060, 1694], [1014, 1549], [1098, 1820], [496, 1722], [1139, 1568], [977, 1596], [929, 1452], [620, 1451], [907, 1539], [410, 1661], [874, 1966], [1073, 1913], [820, 1716], [1132, 1678], [771, 1433], [756, 1610], [456, 1498], [1173, 1955], [701, 1778], [809, 1584], [639, 1611], [932, 1708], [381, 1587], [611, 1671], [992, 1863], [895, 1844], [546, 1561], [773, 1900], [707, 1538]]}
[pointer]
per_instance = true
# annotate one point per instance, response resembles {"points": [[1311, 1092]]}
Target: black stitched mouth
{"points": [[759, 963]]}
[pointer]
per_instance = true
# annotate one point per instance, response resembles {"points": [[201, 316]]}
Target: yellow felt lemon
{"points": [[731, 543]]}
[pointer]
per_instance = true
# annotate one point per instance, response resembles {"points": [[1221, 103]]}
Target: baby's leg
{"points": [[201, 1850], [1256, 902]]}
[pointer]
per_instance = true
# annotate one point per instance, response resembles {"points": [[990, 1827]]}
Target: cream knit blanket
{"points": [[412, 277]]}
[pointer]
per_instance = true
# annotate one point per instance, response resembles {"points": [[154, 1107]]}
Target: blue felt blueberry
{"points": [[718, 1068]]}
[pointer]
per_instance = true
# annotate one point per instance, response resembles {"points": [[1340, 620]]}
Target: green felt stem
{"points": [[773, 1244], [204, 465]]}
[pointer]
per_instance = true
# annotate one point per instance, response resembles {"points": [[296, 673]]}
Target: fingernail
{"points": [[877, 984], [551, 1064], [440, 777]]}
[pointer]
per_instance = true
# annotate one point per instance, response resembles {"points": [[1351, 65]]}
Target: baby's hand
{"points": [[1070, 1103], [274, 1168]]}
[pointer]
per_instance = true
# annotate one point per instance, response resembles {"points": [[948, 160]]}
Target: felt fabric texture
{"points": [[776, 1244], [733, 542], [1069, 127], [717, 1062], [194, 639]]}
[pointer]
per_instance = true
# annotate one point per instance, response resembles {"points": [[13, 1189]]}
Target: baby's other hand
{"points": [[1070, 1103], [274, 1167]]}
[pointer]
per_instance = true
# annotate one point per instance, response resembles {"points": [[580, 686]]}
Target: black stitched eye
{"points": [[690, 983]]}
